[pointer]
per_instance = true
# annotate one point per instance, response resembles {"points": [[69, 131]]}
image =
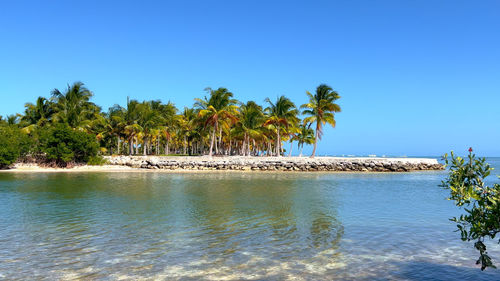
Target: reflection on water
{"points": [[230, 226]]}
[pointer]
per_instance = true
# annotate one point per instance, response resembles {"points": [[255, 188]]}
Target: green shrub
{"points": [[63, 145], [97, 161], [481, 202], [10, 145]]}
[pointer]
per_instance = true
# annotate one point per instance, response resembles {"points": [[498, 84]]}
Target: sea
{"points": [[234, 226]]}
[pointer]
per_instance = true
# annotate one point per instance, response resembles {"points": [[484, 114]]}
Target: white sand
{"points": [[119, 163]]}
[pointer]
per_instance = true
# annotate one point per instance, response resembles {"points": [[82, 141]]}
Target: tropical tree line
{"points": [[217, 124]]}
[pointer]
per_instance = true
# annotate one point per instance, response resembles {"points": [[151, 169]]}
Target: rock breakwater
{"points": [[339, 164]]}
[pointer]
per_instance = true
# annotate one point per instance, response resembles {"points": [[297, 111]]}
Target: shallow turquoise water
{"points": [[264, 226]]}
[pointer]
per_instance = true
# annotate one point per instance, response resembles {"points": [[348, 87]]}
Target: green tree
{"points": [[116, 122], [169, 119], [13, 144], [39, 113], [149, 120], [131, 128], [481, 202], [292, 130], [216, 111], [74, 107], [187, 123], [63, 145], [280, 114], [304, 136], [13, 119], [321, 110], [249, 124]]}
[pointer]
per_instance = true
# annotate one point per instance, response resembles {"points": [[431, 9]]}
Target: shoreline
{"points": [[244, 163]]}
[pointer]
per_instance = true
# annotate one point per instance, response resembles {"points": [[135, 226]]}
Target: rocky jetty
{"points": [[340, 164]]}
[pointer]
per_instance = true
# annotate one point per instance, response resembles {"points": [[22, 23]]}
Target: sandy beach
{"points": [[242, 163], [23, 167]]}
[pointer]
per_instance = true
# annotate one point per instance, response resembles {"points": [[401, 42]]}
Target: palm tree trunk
{"points": [[244, 146], [291, 147], [118, 146], [136, 141], [278, 142], [315, 142], [184, 144], [302, 147], [212, 139], [215, 140], [220, 138], [247, 148], [144, 150]]}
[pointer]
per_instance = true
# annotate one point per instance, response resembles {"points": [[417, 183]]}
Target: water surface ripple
{"points": [[230, 225]]}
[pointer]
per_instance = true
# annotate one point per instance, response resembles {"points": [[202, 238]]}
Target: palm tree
{"points": [[321, 110], [39, 113], [216, 122], [131, 128], [187, 123], [102, 129], [304, 136], [280, 114], [292, 130], [116, 121], [149, 120], [73, 106], [249, 125], [168, 122], [13, 119], [216, 111]]}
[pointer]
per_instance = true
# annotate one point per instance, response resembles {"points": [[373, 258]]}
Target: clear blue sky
{"points": [[416, 77]]}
